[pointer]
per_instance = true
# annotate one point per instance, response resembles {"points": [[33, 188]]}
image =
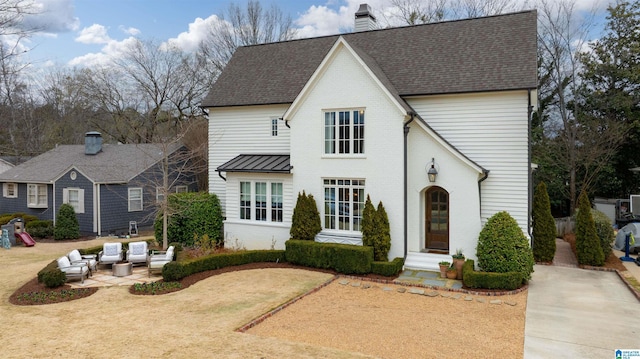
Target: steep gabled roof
{"points": [[493, 53], [114, 164]]}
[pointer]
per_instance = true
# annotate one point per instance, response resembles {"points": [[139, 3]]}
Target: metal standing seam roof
{"points": [[270, 163], [492, 53]]}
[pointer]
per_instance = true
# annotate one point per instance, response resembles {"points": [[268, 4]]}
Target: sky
{"points": [[85, 32]]}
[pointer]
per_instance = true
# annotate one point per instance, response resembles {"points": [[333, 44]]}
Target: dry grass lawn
{"points": [[199, 321]]}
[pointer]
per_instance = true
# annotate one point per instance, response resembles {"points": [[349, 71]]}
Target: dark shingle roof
{"points": [[473, 55], [114, 164], [257, 163]]}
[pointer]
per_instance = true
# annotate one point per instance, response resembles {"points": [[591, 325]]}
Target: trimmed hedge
{"points": [[51, 276], [40, 229], [343, 258], [387, 269], [177, 270], [490, 280]]}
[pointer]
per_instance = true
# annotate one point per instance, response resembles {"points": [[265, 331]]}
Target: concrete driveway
{"points": [[577, 313]]}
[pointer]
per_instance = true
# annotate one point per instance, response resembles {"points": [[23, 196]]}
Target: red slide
{"points": [[26, 239]]}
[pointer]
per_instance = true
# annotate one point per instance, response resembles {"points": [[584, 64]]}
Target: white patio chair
{"points": [[73, 271], [137, 252], [89, 259], [110, 253], [158, 259]]}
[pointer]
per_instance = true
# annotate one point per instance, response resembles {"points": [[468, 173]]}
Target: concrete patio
{"points": [[104, 277]]}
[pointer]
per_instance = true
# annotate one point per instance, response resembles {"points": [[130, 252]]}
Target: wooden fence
{"points": [[565, 225]]}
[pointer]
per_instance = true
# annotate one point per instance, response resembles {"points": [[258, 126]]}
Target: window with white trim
{"points": [[182, 189], [274, 127], [74, 197], [344, 132], [37, 195], [261, 201], [10, 190], [159, 194], [135, 199], [343, 204]]}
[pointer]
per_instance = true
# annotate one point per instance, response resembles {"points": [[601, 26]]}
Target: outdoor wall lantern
{"points": [[432, 173]]}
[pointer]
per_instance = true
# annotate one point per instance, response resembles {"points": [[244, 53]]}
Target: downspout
{"points": [[530, 172], [406, 222], [220, 174], [485, 174]]}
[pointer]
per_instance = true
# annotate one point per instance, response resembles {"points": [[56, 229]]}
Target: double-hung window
{"points": [[261, 201], [37, 195], [344, 132], [135, 199], [10, 190], [74, 197], [343, 204]]}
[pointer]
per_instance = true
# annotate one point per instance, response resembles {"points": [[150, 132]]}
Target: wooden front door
{"points": [[437, 219]]}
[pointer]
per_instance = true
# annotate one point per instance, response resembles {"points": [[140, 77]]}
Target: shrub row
{"points": [[490, 280], [39, 229], [388, 269], [343, 258], [175, 271], [26, 218]]}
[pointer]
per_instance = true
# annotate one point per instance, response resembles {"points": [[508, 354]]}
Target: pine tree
{"points": [[544, 227], [67, 226], [588, 249]]}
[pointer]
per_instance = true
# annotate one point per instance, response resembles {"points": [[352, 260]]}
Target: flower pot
{"points": [[458, 263], [443, 271], [451, 274]]}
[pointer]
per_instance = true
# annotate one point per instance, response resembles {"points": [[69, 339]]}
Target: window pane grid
{"points": [[276, 202], [245, 200], [261, 201], [344, 132], [343, 212]]}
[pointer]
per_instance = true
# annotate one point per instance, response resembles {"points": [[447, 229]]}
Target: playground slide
{"points": [[26, 239]]}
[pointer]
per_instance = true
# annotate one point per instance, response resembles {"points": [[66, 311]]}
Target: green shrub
{"points": [[343, 258], [26, 218], [305, 222], [67, 226], [49, 267], [51, 276], [588, 248], [503, 248], [194, 213], [40, 229], [387, 269], [367, 225], [544, 226], [490, 280], [382, 241], [175, 271], [604, 229]]}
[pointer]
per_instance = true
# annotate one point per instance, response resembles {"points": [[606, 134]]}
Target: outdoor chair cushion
{"points": [[137, 252], [158, 260], [72, 270], [76, 258]]}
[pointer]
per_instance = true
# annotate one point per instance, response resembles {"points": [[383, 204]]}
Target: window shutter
{"points": [[80, 201], [65, 195], [4, 190]]}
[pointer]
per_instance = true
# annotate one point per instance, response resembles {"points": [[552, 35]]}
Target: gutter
{"points": [[220, 174], [406, 223]]}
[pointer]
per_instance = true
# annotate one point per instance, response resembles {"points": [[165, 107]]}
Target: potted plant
{"points": [[443, 268], [452, 272], [458, 261]]}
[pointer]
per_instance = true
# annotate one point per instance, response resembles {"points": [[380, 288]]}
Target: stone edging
{"points": [[270, 313]]}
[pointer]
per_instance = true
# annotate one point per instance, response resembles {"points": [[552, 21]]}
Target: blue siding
{"points": [[84, 219], [19, 204]]}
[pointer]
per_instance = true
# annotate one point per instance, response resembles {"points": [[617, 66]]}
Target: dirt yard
{"points": [[200, 321]]}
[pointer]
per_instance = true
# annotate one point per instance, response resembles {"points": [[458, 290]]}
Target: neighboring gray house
{"points": [[5, 165], [108, 185]]}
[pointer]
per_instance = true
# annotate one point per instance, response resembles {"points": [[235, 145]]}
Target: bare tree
{"points": [[463, 9], [413, 12], [576, 145], [241, 27]]}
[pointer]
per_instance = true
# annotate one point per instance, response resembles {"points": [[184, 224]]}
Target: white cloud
{"points": [[113, 49], [129, 30], [94, 34], [51, 16], [198, 30]]}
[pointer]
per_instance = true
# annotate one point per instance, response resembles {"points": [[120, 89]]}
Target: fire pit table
{"points": [[122, 269]]}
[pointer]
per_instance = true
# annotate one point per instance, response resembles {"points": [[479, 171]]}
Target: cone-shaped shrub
{"points": [[367, 224], [544, 227], [502, 247], [604, 228], [67, 226], [588, 249], [305, 222], [382, 241]]}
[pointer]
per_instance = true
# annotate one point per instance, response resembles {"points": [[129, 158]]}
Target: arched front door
{"points": [[437, 219]]}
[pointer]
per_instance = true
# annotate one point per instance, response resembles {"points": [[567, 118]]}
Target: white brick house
{"points": [[346, 116]]}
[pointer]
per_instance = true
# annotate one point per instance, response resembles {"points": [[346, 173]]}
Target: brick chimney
{"points": [[365, 20], [92, 143]]}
